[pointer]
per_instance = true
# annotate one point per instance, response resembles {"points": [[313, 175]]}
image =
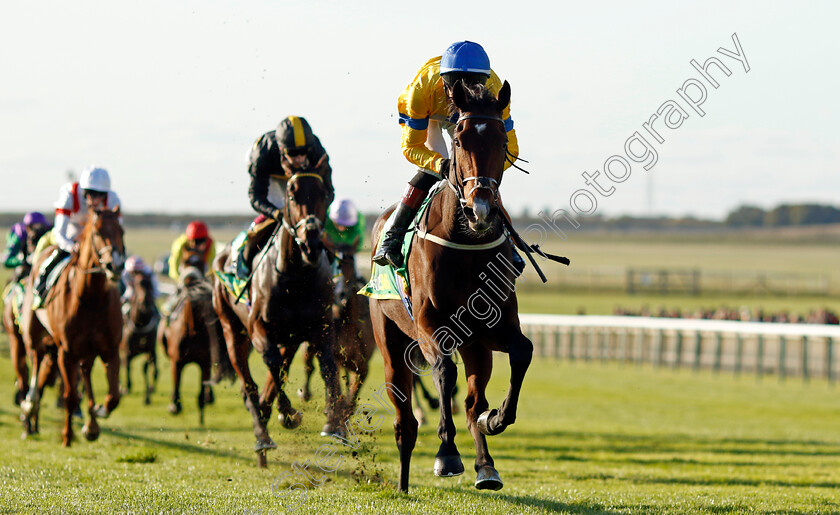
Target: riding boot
{"points": [[390, 252], [40, 285], [518, 262]]}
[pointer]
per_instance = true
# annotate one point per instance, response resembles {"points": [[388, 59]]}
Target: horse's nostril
{"points": [[469, 213]]}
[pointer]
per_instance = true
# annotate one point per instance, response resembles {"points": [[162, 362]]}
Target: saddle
{"points": [[387, 282], [51, 278]]}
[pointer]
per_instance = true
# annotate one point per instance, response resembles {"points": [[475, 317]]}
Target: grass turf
{"points": [[589, 438]]}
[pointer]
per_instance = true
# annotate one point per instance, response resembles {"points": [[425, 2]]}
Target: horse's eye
{"points": [[457, 142]]}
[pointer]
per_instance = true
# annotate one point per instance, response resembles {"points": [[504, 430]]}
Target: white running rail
{"points": [[806, 350]]}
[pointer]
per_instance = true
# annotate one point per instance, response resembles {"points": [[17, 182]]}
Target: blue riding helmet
{"points": [[465, 57]]}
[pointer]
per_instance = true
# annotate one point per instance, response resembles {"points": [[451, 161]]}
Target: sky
{"points": [[170, 96]]}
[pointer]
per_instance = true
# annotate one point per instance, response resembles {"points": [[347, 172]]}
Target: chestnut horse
{"points": [[140, 334], [291, 295], [192, 334], [459, 265], [354, 335], [16, 346], [81, 316]]}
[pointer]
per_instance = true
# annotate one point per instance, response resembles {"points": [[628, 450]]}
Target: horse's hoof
{"points": [[100, 411], [264, 445], [290, 421], [483, 422], [304, 395], [147, 401], [174, 408], [448, 466], [90, 435], [488, 479], [332, 430]]}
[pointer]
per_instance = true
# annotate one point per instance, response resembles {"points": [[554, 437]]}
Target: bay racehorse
{"points": [[193, 334], [461, 294], [291, 296], [16, 346], [81, 316], [354, 334], [140, 334]]}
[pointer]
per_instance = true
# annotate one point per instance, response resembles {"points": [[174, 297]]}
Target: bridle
{"points": [[104, 256], [310, 222], [461, 183]]}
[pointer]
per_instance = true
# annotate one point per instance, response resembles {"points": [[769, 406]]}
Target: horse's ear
{"points": [[322, 163], [116, 210], [459, 96], [503, 98]]}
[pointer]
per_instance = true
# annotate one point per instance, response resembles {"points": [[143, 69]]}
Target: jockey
{"points": [[15, 254], [22, 241], [195, 241], [135, 266], [424, 114], [276, 156], [345, 227], [93, 191]]}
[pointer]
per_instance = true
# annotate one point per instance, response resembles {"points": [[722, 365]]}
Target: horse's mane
{"points": [[478, 97]]}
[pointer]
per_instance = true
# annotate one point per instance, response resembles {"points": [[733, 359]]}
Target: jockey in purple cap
{"points": [[22, 241], [345, 226]]}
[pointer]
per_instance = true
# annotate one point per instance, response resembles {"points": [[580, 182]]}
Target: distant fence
{"points": [[691, 281], [760, 348]]}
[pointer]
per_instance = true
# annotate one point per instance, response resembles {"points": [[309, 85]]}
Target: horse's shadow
{"points": [[549, 505]]}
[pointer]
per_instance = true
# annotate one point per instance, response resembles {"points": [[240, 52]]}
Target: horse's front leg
{"points": [[18, 354], [324, 342], [308, 367], [31, 403], [91, 429], [448, 459], [278, 359], [478, 365], [204, 390], [111, 363], [69, 367], [239, 348], [520, 351], [175, 402], [126, 361], [445, 374]]}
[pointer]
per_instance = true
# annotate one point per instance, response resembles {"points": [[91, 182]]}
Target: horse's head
{"points": [[306, 208], [106, 237], [478, 154]]}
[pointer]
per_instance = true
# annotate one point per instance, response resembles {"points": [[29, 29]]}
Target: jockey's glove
{"points": [[444, 167], [277, 214]]}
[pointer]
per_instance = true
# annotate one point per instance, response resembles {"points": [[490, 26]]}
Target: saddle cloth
{"points": [[235, 277], [386, 282], [52, 278]]}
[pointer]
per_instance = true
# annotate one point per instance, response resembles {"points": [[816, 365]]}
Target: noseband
{"points": [[487, 183]]}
